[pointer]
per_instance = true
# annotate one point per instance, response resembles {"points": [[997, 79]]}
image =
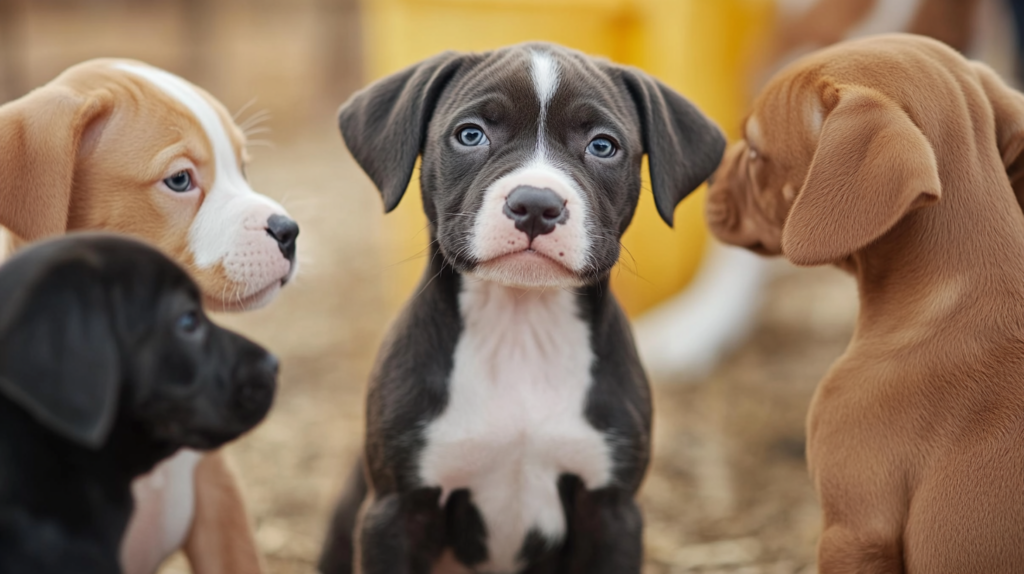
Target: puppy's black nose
{"points": [[535, 211], [255, 383], [270, 366], [284, 231]]}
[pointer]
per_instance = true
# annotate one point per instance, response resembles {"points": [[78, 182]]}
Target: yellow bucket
{"points": [[698, 47]]}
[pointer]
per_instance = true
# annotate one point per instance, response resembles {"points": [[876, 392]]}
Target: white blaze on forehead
{"points": [[544, 71], [229, 199]]}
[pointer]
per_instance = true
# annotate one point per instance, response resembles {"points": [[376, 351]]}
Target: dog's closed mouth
{"points": [[527, 268]]}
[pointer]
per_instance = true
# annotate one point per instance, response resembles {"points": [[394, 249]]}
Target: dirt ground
{"points": [[727, 491]]}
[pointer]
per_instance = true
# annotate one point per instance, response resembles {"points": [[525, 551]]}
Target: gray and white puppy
{"points": [[508, 417]]}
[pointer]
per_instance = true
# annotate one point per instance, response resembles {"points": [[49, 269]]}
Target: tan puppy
{"points": [[121, 146], [888, 156]]}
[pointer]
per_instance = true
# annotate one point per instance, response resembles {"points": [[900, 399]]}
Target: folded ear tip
{"points": [[667, 215], [806, 254], [88, 431], [93, 438]]}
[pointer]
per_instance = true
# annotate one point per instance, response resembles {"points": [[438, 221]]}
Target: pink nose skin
{"points": [[535, 211]]}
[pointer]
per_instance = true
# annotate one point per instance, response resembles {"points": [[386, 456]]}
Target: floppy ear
{"points": [[385, 124], [58, 356], [872, 167], [683, 146], [39, 139], [1008, 109]]}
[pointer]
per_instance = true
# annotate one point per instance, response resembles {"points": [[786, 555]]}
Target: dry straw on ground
{"points": [[727, 492]]}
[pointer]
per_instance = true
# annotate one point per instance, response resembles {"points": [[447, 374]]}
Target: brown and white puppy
{"points": [[889, 156], [121, 146]]}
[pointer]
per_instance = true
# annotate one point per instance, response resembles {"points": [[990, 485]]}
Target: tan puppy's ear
{"points": [[872, 167], [1008, 109], [39, 139]]}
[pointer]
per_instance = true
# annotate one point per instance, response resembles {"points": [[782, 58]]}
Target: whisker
{"points": [[254, 120], [418, 255], [242, 109], [257, 130]]}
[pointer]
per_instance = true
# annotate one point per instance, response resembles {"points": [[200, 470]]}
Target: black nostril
{"points": [[284, 231], [535, 211]]}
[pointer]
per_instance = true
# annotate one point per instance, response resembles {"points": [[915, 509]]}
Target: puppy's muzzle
{"points": [[535, 211], [255, 382], [284, 231]]}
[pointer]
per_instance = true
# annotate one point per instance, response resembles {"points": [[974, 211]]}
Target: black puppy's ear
{"points": [[683, 146], [59, 359], [385, 124]]}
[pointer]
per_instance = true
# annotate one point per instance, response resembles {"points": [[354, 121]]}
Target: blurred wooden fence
{"points": [[293, 56]]}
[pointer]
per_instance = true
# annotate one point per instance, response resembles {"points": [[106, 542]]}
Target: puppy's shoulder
{"points": [[41, 546]]}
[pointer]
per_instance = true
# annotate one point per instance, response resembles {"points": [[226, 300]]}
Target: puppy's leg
{"points": [[221, 540], [338, 551], [844, 550], [606, 532], [400, 533]]}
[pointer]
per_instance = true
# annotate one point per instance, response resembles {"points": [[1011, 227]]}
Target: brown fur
{"points": [[84, 152], [889, 156], [220, 523]]}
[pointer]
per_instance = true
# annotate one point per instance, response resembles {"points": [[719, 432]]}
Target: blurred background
{"points": [[728, 490]]}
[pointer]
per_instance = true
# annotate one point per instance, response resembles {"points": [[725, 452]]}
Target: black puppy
{"points": [[508, 418], [107, 366]]}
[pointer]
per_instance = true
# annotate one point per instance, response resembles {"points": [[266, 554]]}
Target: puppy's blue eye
{"points": [[472, 136], [601, 147], [180, 182], [188, 322]]}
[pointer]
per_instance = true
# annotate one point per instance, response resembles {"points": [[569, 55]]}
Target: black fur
{"points": [[402, 527], [107, 366]]}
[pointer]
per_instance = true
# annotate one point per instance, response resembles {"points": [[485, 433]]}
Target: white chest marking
{"points": [[164, 509], [214, 232], [515, 417]]}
